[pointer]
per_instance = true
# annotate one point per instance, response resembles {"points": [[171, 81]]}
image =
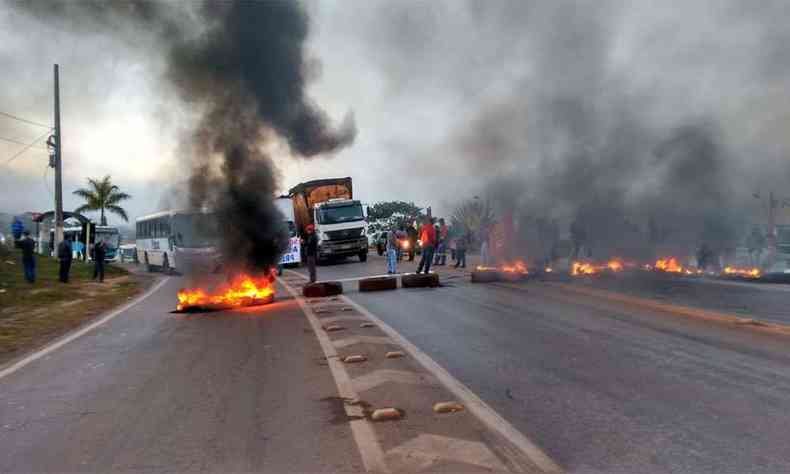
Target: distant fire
{"points": [[243, 290], [742, 272], [515, 267], [671, 265], [586, 268]]}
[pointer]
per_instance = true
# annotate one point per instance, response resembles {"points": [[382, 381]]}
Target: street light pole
{"points": [[58, 167]]}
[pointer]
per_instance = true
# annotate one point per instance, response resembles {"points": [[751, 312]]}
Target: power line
{"points": [[29, 146], [25, 120], [11, 140]]}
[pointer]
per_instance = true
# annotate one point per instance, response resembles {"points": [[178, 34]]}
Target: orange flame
{"points": [[669, 265], [516, 267], [743, 272], [243, 290], [584, 268]]}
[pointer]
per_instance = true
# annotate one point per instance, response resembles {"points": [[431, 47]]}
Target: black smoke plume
{"points": [[242, 67]]}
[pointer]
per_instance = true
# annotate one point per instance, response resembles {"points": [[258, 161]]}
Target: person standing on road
{"points": [[28, 247], [460, 251], [392, 251], [441, 252], [411, 234], [65, 256], [310, 242], [428, 238], [99, 252]]}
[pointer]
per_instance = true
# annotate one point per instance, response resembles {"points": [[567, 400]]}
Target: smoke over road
{"points": [[242, 68]]}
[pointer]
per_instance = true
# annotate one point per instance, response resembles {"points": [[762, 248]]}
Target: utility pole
{"points": [[58, 167]]}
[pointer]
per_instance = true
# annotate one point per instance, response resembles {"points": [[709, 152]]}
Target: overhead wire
{"points": [[25, 120], [26, 148], [11, 140]]}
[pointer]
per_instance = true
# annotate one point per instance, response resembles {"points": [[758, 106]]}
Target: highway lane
{"points": [[603, 387], [153, 391]]}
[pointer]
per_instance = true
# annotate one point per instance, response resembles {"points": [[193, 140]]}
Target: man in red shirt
{"points": [[428, 239]]}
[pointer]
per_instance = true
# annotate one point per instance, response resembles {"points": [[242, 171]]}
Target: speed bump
{"points": [[378, 283], [420, 280]]}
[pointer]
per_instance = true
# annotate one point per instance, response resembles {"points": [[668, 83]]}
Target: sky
{"points": [[551, 104]]}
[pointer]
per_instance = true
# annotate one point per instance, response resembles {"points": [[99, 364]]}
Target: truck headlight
{"points": [[323, 236]]}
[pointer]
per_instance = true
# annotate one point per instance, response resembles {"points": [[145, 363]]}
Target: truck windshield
{"points": [[195, 230], [335, 215]]}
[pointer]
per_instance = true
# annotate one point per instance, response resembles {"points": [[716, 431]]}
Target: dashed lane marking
{"points": [[80, 332], [490, 418]]}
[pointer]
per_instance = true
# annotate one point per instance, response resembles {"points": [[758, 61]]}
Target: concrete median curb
{"points": [[322, 289], [378, 283], [685, 311], [420, 280]]}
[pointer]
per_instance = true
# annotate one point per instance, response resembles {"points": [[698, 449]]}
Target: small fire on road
{"points": [[586, 268], [242, 290], [751, 273], [671, 265]]}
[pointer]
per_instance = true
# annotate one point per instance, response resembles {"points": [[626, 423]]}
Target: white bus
{"points": [[179, 239]]}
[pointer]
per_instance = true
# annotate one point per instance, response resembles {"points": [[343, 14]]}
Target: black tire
{"points": [[420, 280], [378, 284], [166, 265], [148, 266], [363, 256], [323, 289]]}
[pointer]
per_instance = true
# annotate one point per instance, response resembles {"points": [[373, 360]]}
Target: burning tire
{"points": [[323, 289], [378, 284], [485, 276], [420, 280], [512, 277]]}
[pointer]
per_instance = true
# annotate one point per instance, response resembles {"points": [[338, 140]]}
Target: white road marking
{"points": [[350, 341], [367, 442], [79, 333], [335, 319], [490, 418], [426, 450], [378, 377]]}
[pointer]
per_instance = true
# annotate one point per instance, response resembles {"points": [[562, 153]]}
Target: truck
{"points": [[339, 219]]}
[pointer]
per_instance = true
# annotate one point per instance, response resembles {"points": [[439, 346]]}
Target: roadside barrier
{"points": [[420, 280], [378, 283], [322, 289]]}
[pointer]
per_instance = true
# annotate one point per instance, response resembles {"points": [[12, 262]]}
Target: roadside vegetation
{"points": [[31, 315]]}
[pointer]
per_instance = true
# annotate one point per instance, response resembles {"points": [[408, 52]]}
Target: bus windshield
{"points": [[195, 230], [337, 214], [111, 237]]}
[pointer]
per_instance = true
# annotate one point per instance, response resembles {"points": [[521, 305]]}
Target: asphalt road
{"points": [[600, 386], [764, 301], [151, 391]]}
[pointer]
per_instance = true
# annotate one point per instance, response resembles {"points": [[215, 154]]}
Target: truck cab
{"points": [[339, 219], [341, 229]]}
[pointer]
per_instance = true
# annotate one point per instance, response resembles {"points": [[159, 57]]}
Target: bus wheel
{"points": [[148, 267], [166, 266]]}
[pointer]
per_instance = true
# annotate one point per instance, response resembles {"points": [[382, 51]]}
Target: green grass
{"points": [[30, 315]]}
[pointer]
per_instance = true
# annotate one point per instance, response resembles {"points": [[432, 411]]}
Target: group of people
{"points": [[435, 242], [65, 254]]}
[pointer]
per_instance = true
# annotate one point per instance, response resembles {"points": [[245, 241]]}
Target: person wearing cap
{"points": [[310, 242]]}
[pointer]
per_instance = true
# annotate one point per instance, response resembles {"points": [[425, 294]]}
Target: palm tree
{"points": [[102, 195], [472, 216]]}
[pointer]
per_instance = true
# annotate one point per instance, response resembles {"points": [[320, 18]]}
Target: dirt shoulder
{"points": [[32, 315]]}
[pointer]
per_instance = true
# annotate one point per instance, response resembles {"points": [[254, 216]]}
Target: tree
{"points": [[471, 216], [392, 214], [101, 195]]}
